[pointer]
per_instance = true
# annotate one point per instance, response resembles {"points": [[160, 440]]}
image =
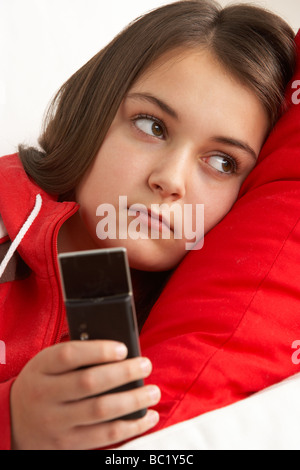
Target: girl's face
{"points": [[187, 133]]}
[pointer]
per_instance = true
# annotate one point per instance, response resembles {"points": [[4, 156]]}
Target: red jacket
{"points": [[32, 313]]}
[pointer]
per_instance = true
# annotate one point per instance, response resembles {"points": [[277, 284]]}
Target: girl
{"points": [[174, 110]]}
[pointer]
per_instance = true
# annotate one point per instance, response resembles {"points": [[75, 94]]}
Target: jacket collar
{"points": [[31, 216]]}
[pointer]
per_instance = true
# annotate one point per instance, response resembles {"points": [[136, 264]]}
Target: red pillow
{"points": [[224, 325]]}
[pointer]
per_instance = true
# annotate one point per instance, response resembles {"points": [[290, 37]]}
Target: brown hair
{"points": [[255, 45]]}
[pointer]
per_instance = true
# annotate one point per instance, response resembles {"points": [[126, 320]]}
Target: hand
{"points": [[53, 404]]}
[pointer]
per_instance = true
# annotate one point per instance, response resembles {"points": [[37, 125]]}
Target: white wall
{"points": [[42, 42]]}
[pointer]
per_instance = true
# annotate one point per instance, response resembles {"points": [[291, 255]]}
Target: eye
{"points": [[222, 164], [150, 126]]}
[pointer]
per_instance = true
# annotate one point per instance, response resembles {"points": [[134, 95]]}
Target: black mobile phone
{"points": [[97, 291]]}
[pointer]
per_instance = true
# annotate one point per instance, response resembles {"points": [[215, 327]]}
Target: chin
{"points": [[148, 256], [150, 262]]}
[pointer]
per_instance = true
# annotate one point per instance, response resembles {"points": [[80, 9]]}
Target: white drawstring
{"points": [[16, 242]]}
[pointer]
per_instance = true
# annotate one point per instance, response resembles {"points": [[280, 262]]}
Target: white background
{"points": [[43, 42]]}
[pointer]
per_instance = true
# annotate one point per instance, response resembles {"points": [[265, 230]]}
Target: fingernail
{"points": [[121, 351], [145, 365], [154, 393], [152, 417]]}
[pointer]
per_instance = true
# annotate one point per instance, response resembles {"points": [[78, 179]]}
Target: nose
{"points": [[168, 176]]}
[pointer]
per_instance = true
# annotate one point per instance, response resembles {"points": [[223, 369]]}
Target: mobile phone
{"points": [[98, 297]]}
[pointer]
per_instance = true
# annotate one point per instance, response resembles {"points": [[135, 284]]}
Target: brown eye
{"points": [[222, 164], [157, 129], [150, 126]]}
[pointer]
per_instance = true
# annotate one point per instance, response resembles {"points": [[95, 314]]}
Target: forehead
{"points": [[193, 73], [197, 86]]}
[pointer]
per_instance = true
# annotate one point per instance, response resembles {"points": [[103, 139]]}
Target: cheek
{"points": [[121, 165], [105, 178], [216, 207]]}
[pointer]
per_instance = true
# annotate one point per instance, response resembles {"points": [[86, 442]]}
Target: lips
{"points": [[161, 218], [154, 218]]}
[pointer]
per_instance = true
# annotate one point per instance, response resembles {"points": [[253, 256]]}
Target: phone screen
{"points": [[95, 273]]}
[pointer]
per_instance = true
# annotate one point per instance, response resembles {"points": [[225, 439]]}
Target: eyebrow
{"points": [[166, 108], [154, 100], [236, 143]]}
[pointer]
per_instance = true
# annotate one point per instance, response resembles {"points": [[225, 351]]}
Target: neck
{"points": [[73, 236]]}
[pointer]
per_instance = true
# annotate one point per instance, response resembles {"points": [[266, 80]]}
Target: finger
{"points": [[91, 381], [111, 406], [71, 355], [108, 434]]}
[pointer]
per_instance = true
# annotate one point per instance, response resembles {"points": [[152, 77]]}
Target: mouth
{"points": [[161, 219], [154, 220]]}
